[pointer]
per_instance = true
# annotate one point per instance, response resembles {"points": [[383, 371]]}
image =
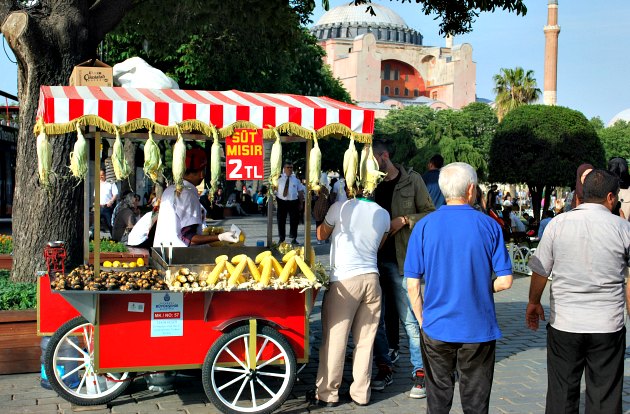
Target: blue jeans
{"points": [[389, 274]]}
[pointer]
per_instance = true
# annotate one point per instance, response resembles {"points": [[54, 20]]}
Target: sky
{"points": [[593, 57]]}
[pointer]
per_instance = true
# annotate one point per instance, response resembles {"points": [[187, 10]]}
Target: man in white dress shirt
{"points": [[289, 195]]}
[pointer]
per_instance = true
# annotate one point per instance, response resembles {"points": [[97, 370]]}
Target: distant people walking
{"points": [[352, 303], [431, 177], [404, 195], [547, 216], [619, 167], [108, 197], [582, 172], [587, 251], [456, 250]]}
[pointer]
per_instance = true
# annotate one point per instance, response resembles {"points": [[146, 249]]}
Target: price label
{"points": [[244, 155]]}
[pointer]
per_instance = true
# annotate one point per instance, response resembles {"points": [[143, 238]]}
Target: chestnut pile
{"points": [[82, 278]]}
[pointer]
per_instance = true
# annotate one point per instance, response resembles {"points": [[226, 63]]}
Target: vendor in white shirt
{"points": [[181, 216]]}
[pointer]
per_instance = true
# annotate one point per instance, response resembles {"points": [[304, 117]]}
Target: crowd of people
{"points": [[388, 243]]}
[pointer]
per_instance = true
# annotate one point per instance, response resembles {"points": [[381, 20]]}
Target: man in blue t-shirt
{"points": [[431, 177], [456, 250]]}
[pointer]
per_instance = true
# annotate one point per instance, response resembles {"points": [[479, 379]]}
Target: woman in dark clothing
{"points": [[125, 218]]}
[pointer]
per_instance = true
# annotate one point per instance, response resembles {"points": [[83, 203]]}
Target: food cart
{"points": [[246, 338]]}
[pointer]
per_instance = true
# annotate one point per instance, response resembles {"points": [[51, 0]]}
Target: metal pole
{"points": [[97, 203]]}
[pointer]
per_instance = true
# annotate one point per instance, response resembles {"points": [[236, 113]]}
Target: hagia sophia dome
{"points": [[621, 116], [347, 22]]}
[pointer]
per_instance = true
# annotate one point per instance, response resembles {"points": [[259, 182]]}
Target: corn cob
{"points": [[179, 162], [215, 163], [121, 167], [373, 174], [287, 270], [362, 165], [276, 162], [236, 274], [213, 277], [350, 161], [261, 256], [238, 258], [253, 270], [79, 157], [288, 256], [152, 161], [305, 269], [277, 267], [314, 165], [44, 158], [221, 258], [265, 274]]}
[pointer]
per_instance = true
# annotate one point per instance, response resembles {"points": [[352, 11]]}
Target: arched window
{"points": [[406, 92], [416, 93], [396, 91], [386, 90]]}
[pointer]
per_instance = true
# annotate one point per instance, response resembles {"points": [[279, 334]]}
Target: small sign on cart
{"points": [[244, 155], [167, 314]]}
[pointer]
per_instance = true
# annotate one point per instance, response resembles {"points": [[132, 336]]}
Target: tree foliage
{"points": [[514, 87], [542, 146], [419, 132], [616, 140]]}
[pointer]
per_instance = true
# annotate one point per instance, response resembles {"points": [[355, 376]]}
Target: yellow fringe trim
{"points": [[333, 130]]}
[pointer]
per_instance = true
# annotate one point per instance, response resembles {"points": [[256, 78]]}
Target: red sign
{"points": [[244, 155]]}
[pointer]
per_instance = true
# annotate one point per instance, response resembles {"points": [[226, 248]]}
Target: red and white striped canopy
{"points": [[168, 107]]}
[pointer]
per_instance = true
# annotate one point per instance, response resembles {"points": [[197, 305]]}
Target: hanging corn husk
{"points": [[179, 162], [152, 161], [363, 165], [350, 163], [79, 156], [276, 162], [315, 165], [44, 158], [373, 175], [215, 163], [120, 164]]}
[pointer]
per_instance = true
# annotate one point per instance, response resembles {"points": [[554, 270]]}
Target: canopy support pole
{"points": [[307, 204], [97, 203]]}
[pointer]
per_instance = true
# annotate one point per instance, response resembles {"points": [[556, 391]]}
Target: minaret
{"points": [[552, 30]]}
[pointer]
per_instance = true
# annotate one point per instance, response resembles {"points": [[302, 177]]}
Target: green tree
{"points": [[542, 146], [50, 38], [615, 140], [513, 88]]}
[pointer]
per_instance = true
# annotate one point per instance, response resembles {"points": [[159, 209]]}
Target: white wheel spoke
{"points": [[270, 374], [251, 388], [70, 359], [81, 383], [240, 391], [67, 374], [240, 377], [98, 386], [228, 369], [229, 351], [262, 384], [75, 346], [269, 361], [262, 348]]}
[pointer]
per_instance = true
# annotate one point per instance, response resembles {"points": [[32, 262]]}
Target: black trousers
{"points": [[475, 363], [292, 209], [571, 354]]}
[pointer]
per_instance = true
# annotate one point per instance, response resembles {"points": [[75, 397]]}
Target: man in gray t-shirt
{"points": [[587, 249]]}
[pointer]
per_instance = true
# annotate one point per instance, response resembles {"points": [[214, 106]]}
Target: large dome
{"points": [[348, 22], [358, 14], [621, 116]]}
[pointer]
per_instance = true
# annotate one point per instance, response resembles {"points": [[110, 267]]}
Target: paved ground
{"points": [[519, 382]]}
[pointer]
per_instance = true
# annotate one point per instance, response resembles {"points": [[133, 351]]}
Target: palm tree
{"points": [[514, 87]]}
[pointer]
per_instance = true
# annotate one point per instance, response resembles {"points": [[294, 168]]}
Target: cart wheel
{"points": [[71, 351], [234, 386]]}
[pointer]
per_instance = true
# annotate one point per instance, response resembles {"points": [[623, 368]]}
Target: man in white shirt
{"points": [[338, 192], [181, 216], [290, 193], [108, 194], [352, 302], [587, 251]]}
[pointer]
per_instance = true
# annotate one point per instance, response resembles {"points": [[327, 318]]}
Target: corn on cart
{"points": [[246, 336]]}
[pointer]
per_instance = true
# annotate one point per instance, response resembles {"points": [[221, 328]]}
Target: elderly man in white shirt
{"points": [[289, 195]]}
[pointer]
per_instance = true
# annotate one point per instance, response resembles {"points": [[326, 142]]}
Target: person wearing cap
{"points": [[181, 216]]}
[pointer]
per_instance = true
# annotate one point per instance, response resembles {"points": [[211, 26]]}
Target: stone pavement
{"points": [[519, 380]]}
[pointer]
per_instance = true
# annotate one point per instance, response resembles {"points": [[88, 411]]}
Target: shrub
{"points": [[16, 295], [6, 244]]}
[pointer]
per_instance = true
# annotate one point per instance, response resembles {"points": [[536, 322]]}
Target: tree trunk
{"points": [[535, 192], [47, 42]]}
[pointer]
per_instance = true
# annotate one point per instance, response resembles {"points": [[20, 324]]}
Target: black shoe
{"points": [[312, 400], [394, 355], [345, 397], [383, 378], [295, 242]]}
